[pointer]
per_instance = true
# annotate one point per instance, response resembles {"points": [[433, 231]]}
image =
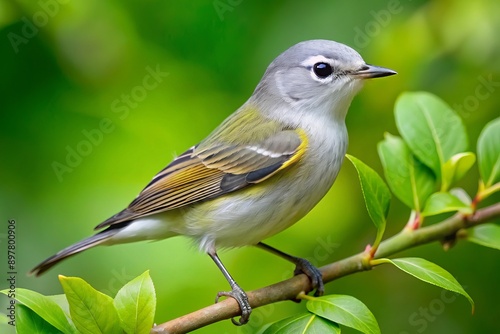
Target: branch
{"points": [[290, 288]]}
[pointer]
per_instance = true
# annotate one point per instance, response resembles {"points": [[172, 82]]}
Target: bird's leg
{"points": [[302, 266], [236, 292]]}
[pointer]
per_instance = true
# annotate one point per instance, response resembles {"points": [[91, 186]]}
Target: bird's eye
{"points": [[322, 70]]}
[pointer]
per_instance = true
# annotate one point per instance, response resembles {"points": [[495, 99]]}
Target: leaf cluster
{"points": [[82, 309], [421, 166]]}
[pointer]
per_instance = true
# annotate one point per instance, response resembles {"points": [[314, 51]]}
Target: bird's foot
{"points": [[240, 296], [305, 267]]}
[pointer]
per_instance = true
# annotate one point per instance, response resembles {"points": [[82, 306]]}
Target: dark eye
{"points": [[322, 70]]}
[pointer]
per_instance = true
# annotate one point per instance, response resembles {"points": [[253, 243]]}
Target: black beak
{"points": [[370, 71]]}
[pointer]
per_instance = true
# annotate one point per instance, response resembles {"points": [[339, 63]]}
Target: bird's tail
{"points": [[92, 241]]}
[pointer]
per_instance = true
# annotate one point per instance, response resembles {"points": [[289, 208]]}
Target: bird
{"points": [[259, 172]]}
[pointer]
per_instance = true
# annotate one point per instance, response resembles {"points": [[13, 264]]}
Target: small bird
{"points": [[259, 172]]}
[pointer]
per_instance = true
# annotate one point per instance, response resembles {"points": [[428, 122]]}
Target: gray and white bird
{"points": [[264, 168]]}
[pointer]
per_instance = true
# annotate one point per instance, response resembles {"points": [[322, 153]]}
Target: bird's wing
{"points": [[208, 171]]}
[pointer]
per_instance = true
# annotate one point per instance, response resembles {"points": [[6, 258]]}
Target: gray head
{"points": [[318, 75]]}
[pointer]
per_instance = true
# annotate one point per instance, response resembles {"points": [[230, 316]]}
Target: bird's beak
{"points": [[370, 71]]}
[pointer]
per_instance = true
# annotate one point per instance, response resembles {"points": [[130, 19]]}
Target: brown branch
{"points": [[290, 288]]}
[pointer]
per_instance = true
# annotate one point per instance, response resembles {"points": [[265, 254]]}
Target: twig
{"points": [[290, 288]]}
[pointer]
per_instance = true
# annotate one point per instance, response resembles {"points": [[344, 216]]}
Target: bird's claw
{"points": [[305, 267], [240, 296]]}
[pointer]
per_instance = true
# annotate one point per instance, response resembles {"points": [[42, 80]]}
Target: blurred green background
{"points": [[74, 69]]}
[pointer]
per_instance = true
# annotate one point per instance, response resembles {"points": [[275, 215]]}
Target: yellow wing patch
{"points": [[304, 142]]}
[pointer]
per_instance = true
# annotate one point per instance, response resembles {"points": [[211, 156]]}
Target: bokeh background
{"points": [[70, 70]]}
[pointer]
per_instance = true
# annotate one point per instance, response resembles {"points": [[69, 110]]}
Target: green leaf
{"points": [[45, 307], [4, 320], [487, 235], [488, 153], [432, 130], [92, 311], [345, 310], [444, 202], [303, 323], [136, 304], [456, 168], [410, 180], [431, 273], [377, 195], [462, 195], [27, 321], [62, 301]]}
